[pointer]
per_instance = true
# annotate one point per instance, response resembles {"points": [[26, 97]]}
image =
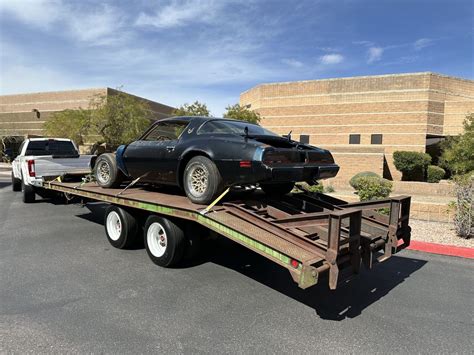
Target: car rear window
{"points": [[233, 127], [51, 147]]}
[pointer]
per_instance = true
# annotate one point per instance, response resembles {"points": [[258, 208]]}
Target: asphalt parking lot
{"points": [[63, 288]]}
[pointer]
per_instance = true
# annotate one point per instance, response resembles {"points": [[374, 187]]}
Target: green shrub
{"points": [[373, 188], [329, 189], [411, 164], [354, 181], [312, 188], [435, 173]]}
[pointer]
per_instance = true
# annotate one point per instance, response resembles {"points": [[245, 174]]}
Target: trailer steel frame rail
{"points": [[310, 234]]}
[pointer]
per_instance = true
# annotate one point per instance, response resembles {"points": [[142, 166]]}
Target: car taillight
{"points": [[245, 164], [31, 168]]}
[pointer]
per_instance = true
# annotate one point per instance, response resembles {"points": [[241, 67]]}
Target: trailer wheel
{"points": [[16, 183], [164, 241], [120, 227], [29, 194]]}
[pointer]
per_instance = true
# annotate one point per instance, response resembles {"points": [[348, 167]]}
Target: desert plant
{"points": [[412, 165], [464, 211], [312, 188], [435, 173], [373, 188], [242, 113], [354, 181]]}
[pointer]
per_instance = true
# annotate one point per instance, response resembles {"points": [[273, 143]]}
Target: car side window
{"points": [[166, 131]]}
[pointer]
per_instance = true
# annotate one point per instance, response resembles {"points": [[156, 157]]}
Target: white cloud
{"points": [[422, 43], [180, 13], [374, 54], [333, 58], [292, 62], [93, 25]]}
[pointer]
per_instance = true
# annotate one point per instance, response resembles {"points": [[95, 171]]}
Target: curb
{"points": [[442, 249]]}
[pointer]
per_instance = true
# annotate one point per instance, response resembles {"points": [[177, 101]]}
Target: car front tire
{"points": [[202, 181], [106, 171]]}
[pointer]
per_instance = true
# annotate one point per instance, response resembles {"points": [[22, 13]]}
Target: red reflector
{"points": [[245, 164], [31, 168], [295, 264]]}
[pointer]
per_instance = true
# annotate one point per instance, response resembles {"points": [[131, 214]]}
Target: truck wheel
{"points": [[29, 194], [120, 227], [164, 241], [281, 188], [107, 173], [16, 183], [202, 181]]}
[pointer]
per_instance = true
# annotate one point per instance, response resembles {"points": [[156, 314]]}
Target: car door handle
{"points": [[170, 148]]}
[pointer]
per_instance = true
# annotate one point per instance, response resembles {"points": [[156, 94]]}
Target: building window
{"points": [[304, 138], [354, 138], [376, 139]]}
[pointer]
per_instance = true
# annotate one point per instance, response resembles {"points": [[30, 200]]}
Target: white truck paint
{"points": [[60, 156]]}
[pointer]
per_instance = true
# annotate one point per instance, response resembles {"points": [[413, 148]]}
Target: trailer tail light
{"points": [[31, 168], [245, 164], [294, 263]]}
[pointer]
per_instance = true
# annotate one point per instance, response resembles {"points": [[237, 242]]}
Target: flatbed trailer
{"points": [[309, 234]]}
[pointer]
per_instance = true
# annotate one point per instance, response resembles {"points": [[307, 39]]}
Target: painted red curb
{"points": [[442, 249]]}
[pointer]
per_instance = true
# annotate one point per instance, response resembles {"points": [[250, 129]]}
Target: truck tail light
{"points": [[31, 168], [245, 164]]}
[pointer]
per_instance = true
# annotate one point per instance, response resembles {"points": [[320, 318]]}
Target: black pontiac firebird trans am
{"points": [[206, 155]]}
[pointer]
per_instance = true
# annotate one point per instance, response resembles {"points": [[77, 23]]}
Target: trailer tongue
{"points": [[311, 235]]}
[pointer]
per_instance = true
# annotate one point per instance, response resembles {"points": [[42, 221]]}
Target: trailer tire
{"points": [[16, 183], [164, 241], [28, 191], [120, 227], [106, 172]]}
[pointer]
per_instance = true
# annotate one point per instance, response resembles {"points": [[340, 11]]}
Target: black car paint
{"points": [[164, 161]]}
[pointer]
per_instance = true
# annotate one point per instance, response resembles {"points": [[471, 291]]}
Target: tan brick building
{"points": [[363, 120], [25, 114]]}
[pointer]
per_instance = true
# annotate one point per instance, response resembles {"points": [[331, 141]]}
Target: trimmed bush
{"points": [[412, 165], [373, 188], [435, 173], [354, 181]]}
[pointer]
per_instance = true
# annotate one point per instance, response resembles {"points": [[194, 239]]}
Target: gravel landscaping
{"points": [[437, 232]]}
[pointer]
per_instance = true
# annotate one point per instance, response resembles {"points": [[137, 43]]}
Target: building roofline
{"points": [[358, 77], [55, 91]]}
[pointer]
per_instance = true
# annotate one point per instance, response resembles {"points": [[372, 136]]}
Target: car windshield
{"points": [[234, 127], [50, 147]]}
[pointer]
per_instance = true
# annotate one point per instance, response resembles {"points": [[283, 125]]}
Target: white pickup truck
{"points": [[40, 159]]}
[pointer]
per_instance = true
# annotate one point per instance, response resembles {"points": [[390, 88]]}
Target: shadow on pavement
{"points": [[347, 301], [4, 184]]}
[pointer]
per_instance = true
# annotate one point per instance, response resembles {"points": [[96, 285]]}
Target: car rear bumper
{"points": [[300, 173]]}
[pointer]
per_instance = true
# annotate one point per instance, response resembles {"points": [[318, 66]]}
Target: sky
{"points": [[179, 51]]}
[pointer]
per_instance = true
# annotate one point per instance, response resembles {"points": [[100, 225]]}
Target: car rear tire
{"points": [[16, 183], [164, 241], [106, 171], [29, 194], [281, 188], [201, 180], [120, 227]]}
